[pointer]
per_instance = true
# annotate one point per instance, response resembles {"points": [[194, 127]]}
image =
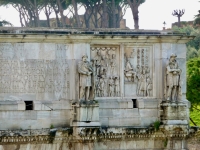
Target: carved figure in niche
{"points": [[102, 72], [113, 63], [142, 83], [149, 85], [173, 83], [102, 87], [103, 61], [128, 72], [85, 82], [97, 60], [98, 88], [116, 84], [108, 57], [111, 86]]}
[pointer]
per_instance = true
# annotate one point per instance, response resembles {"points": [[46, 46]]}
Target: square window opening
{"points": [[134, 103], [29, 105]]}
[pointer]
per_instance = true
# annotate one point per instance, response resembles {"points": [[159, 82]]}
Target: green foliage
{"points": [[193, 46], [193, 81], [194, 114], [165, 142], [156, 125], [192, 53], [51, 126], [197, 21]]}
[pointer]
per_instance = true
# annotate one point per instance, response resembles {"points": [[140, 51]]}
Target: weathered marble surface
{"points": [[46, 73]]}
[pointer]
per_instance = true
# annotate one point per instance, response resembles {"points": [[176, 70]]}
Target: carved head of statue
{"points": [[98, 53], [173, 57], [84, 57]]}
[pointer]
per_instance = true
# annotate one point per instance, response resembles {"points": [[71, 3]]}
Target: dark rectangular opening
{"points": [[29, 105], [134, 103]]}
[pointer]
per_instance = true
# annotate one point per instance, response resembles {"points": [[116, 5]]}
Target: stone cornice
{"points": [[93, 39], [96, 36]]}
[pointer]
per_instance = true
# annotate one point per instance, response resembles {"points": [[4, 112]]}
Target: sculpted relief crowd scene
{"points": [[106, 71], [100, 77]]}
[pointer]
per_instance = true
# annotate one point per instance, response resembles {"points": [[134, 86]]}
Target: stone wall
{"points": [[41, 80]]}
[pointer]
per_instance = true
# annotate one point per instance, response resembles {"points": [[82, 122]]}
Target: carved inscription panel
{"points": [[23, 73]]}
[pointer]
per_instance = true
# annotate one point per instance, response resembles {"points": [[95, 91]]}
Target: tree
{"points": [[4, 23], [75, 6], [179, 14], [28, 10], [193, 81], [192, 53], [134, 5]]}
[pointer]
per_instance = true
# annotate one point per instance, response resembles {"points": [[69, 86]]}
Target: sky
{"points": [[152, 13]]}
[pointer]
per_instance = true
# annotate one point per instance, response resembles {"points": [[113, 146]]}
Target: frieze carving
{"points": [[105, 62], [137, 70]]}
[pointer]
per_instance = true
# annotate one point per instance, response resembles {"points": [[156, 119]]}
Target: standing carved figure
{"points": [[111, 86], [149, 85], [108, 57], [116, 84], [85, 71], [142, 83], [173, 72], [101, 82], [113, 63], [97, 60], [98, 88]]}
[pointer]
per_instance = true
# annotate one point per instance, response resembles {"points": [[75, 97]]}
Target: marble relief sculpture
{"points": [[106, 76], [142, 83], [111, 86], [137, 71], [85, 83], [129, 72], [113, 63], [173, 78], [116, 86]]}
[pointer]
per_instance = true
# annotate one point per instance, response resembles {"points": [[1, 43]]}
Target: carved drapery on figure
{"points": [[173, 80], [85, 71], [137, 71], [106, 70]]}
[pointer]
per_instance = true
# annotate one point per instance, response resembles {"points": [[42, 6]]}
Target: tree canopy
{"points": [[193, 81], [98, 13]]}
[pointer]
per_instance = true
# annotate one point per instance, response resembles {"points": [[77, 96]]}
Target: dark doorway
{"points": [[29, 105], [134, 103]]}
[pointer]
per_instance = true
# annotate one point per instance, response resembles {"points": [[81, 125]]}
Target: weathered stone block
{"points": [[146, 121], [148, 112], [8, 105], [130, 121], [21, 105], [114, 122]]}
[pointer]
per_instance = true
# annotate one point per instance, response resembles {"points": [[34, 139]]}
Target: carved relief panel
{"points": [[105, 63], [138, 71]]}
